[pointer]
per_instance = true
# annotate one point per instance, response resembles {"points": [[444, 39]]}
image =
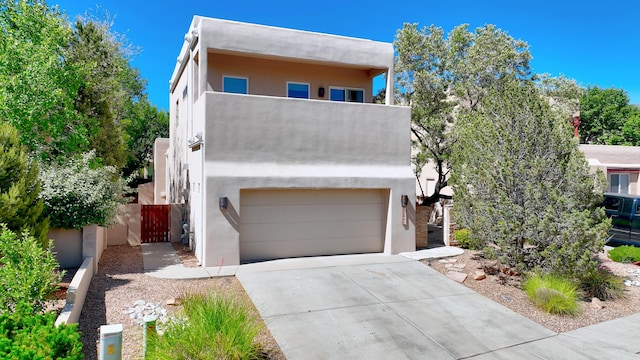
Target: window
{"points": [[346, 94], [236, 85], [297, 90], [619, 183], [611, 203]]}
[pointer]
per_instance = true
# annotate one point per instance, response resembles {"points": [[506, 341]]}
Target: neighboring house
{"points": [[620, 164], [277, 151]]}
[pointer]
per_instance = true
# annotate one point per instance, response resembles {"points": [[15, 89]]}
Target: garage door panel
{"points": [[321, 213], [309, 231], [310, 196], [307, 222], [315, 247]]}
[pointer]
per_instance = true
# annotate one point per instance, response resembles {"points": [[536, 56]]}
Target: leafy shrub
{"points": [[20, 206], [216, 328], [553, 294], [35, 336], [465, 240], [602, 284], [625, 254], [28, 273], [81, 192]]}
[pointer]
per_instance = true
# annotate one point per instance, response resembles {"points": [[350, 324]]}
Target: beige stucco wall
{"points": [[160, 147], [257, 142], [272, 142], [145, 194], [270, 77]]}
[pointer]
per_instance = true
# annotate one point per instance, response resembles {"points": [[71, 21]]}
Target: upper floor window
{"points": [[346, 94], [234, 84], [619, 183], [297, 90]]}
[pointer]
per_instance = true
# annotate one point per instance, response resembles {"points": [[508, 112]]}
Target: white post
{"points": [[388, 96], [446, 222], [111, 342]]}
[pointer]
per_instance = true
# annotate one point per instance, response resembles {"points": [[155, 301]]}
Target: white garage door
{"points": [[292, 223]]}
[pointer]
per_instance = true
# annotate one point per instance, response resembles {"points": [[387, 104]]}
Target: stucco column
{"points": [[388, 96], [446, 224]]}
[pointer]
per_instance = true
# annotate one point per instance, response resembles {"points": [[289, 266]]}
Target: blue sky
{"points": [[592, 41]]}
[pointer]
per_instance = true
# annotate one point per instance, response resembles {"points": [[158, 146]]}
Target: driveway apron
{"points": [[392, 309]]}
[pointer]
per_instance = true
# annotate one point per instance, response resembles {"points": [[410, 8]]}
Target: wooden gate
{"points": [[155, 223]]}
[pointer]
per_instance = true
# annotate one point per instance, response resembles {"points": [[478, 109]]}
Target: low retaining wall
{"points": [[76, 293], [71, 247]]}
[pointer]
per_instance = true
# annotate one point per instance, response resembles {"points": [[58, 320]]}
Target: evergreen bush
{"points": [[28, 273], [24, 335], [20, 205]]}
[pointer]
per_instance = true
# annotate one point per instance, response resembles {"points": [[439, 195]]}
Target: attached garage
{"points": [[308, 222]]}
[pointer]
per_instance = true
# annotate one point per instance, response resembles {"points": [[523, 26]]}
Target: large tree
{"points": [[109, 86], [439, 75], [144, 124], [38, 86], [522, 185], [603, 114]]}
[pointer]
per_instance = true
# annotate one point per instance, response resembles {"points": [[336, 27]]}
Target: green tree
{"points": [[143, 125], [522, 185], [38, 86], [603, 113], [109, 86], [631, 129], [20, 205], [439, 75]]}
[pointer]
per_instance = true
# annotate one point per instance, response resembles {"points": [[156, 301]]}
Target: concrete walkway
{"points": [[391, 307]]}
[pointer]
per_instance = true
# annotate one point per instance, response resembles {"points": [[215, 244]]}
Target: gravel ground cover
{"points": [[121, 282], [506, 291]]}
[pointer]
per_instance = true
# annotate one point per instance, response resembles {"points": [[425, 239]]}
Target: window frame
{"points": [[308, 85], [345, 89], [619, 175], [246, 79]]}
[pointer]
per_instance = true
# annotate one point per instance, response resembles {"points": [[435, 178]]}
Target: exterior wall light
{"points": [[404, 200], [224, 203]]}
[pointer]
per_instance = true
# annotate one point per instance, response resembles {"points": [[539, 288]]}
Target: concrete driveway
{"points": [[391, 307]]}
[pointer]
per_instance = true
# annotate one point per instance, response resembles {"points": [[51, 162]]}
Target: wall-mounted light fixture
{"points": [[195, 142], [224, 202], [404, 200], [321, 92]]}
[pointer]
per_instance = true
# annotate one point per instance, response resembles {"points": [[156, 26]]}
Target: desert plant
{"points": [[81, 192], [35, 336], [602, 284], [625, 254], [466, 240], [552, 293], [217, 327], [28, 273]]}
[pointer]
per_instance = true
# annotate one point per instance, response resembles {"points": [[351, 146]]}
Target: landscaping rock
{"points": [[597, 303], [174, 302], [479, 275], [457, 276]]}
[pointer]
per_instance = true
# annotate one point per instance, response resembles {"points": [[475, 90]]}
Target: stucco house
{"points": [[276, 149], [620, 164]]}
